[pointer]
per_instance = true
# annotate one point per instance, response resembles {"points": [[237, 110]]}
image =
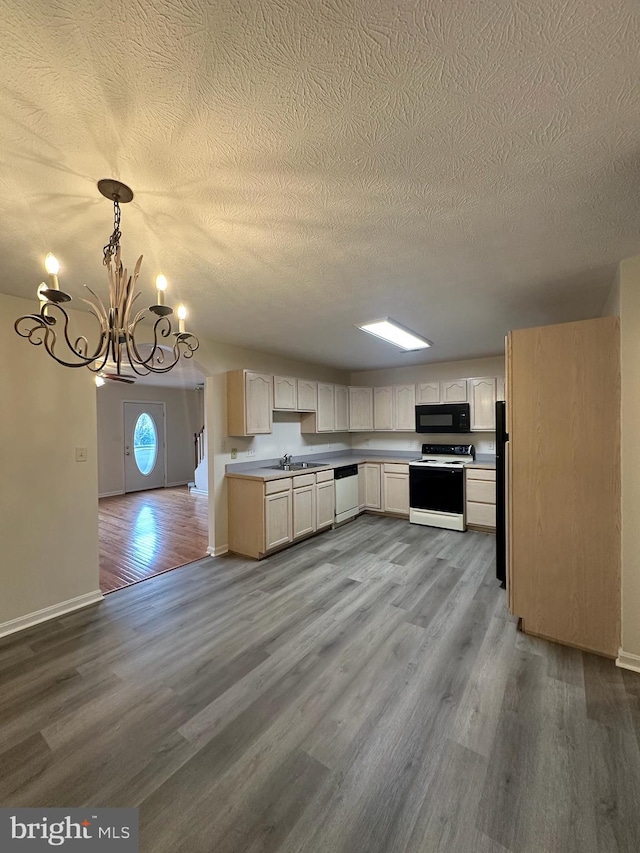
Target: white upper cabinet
{"points": [[307, 395], [427, 392], [249, 402], [453, 391], [500, 388], [360, 409], [285, 393], [383, 408], [325, 418], [341, 413], [259, 402], [405, 407], [483, 404]]}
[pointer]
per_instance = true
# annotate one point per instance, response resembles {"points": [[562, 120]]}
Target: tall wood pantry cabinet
{"points": [[563, 482]]}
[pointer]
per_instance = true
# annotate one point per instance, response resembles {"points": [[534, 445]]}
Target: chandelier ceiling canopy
{"points": [[117, 350]]}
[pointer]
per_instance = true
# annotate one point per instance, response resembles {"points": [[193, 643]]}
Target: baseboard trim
{"points": [[111, 494], [219, 551], [626, 660], [194, 491], [179, 483], [47, 613]]}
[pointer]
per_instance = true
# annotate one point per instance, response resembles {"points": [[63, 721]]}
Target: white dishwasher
{"points": [[346, 485]]}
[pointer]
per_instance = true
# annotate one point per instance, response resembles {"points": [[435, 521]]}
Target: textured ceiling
{"points": [[465, 167]]}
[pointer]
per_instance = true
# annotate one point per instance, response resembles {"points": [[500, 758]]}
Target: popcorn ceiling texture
{"points": [[300, 166]]}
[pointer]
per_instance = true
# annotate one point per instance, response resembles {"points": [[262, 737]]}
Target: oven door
{"points": [[437, 489]]}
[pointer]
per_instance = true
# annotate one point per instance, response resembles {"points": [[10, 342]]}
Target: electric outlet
{"points": [[81, 454], [492, 445], [234, 452], [251, 453]]}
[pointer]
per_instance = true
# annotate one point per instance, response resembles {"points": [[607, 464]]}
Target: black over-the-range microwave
{"points": [[443, 417]]}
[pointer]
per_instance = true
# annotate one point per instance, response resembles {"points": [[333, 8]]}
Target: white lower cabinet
{"points": [[361, 488], [277, 514], [395, 489], [325, 504], [304, 510], [373, 485], [481, 497]]}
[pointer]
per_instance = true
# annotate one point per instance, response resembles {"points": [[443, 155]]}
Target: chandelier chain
{"points": [[114, 241]]}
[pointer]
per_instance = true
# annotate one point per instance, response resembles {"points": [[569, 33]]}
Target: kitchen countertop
{"points": [[267, 474], [486, 466]]}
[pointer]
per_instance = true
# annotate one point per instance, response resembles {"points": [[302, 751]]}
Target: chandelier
{"points": [[117, 346]]}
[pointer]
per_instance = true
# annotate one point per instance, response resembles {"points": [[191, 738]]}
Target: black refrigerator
{"points": [[501, 483]]}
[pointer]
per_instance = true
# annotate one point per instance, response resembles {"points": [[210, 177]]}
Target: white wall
{"points": [[484, 442], [48, 501], [612, 305], [629, 273], [183, 419]]}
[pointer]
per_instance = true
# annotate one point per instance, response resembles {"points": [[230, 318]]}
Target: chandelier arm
{"points": [[100, 367], [164, 331], [40, 332]]}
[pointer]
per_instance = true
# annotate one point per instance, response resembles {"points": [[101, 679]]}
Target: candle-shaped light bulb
{"points": [[99, 381], [182, 316], [161, 285], [53, 268]]}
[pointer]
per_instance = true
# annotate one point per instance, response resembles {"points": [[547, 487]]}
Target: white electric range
{"points": [[436, 485]]}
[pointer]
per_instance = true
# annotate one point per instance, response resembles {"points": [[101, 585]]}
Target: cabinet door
{"points": [[361, 487], [307, 395], [285, 393], [258, 397], [372, 485], [325, 416], [396, 493], [341, 423], [454, 391], [383, 408], [277, 510], [360, 409], [405, 407], [325, 504], [428, 392], [304, 511], [483, 404]]}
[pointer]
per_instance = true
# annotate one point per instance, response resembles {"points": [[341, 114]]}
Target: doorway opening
{"points": [[150, 445]]}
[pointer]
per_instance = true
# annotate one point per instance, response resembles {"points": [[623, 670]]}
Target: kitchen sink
{"points": [[298, 466]]}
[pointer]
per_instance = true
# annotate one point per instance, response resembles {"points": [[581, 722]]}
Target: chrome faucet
{"points": [[286, 460]]}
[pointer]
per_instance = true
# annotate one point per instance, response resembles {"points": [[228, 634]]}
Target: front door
{"points": [[143, 446]]}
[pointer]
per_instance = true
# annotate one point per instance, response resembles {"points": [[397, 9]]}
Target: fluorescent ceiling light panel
{"points": [[395, 334]]}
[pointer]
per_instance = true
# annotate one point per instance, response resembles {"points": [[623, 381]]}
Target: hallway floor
{"points": [[143, 534]]}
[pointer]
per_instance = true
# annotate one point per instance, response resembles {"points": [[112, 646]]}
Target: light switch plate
{"points": [[251, 453], [81, 454], [234, 452]]}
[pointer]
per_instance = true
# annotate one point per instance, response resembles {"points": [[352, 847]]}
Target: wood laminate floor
{"points": [[145, 533], [363, 692]]}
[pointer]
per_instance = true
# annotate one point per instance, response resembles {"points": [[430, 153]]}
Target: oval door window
{"points": [[145, 444]]}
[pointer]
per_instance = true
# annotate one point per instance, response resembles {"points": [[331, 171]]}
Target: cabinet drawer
{"points": [[303, 480], [396, 468], [481, 491], [481, 474], [482, 514], [323, 476], [274, 486]]}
